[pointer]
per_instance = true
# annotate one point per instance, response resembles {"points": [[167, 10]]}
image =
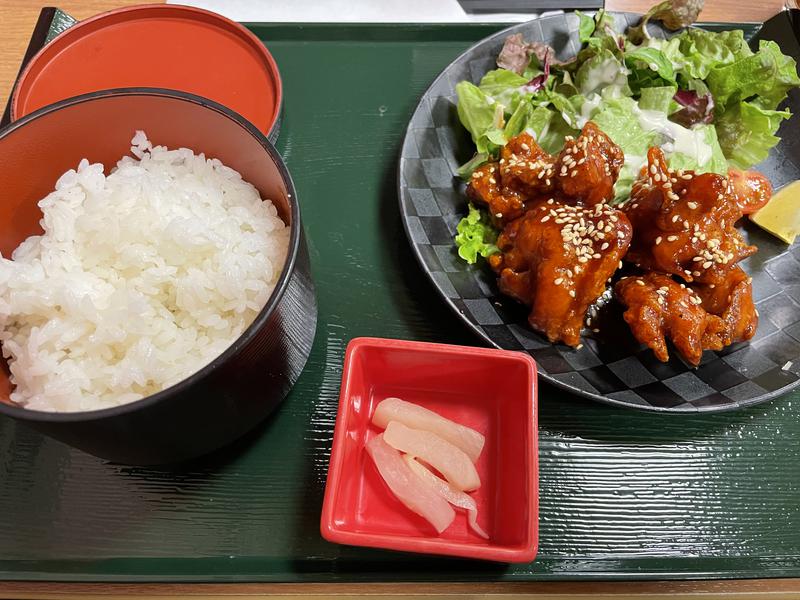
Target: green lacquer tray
{"points": [[624, 494]]}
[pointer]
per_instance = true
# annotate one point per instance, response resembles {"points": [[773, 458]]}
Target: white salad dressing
{"points": [[541, 135], [634, 163], [604, 75], [690, 142], [587, 109]]}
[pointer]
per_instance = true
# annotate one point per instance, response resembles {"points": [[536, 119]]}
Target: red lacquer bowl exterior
{"points": [[158, 46]]}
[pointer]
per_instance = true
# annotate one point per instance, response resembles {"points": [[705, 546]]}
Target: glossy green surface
{"points": [[623, 494], [60, 23]]}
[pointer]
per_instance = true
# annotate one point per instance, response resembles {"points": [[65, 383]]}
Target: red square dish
{"points": [[492, 391]]}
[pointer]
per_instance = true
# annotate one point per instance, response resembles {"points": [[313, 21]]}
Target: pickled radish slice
{"points": [[443, 456], [449, 493], [413, 415], [419, 496]]}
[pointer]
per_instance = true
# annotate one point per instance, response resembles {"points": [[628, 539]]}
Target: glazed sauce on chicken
{"points": [[562, 243]]}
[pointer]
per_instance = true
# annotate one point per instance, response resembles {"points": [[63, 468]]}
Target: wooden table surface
{"points": [[18, 18]]}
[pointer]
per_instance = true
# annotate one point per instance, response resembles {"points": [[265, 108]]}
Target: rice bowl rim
{"points": [[263, 315]]}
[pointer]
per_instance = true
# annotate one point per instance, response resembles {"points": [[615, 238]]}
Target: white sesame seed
{"points": [[692, 205], [545, 218], [558, 281], [639, 282], [572, 293], [672, 238]]}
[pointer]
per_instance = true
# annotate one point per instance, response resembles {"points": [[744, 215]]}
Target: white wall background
{"points": [[351, 11]]}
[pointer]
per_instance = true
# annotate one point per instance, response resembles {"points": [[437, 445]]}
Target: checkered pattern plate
{"points": [[612, 368]]}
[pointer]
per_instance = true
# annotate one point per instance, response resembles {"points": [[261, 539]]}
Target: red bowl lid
{"points": [[160, 46]]}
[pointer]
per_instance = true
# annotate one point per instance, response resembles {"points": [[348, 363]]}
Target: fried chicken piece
{"points": [[659, 308], [525, 167], [585, 171], [684, 223], [558, 259], [485, 188], [750, 189], [732, 301], [587, 168]]}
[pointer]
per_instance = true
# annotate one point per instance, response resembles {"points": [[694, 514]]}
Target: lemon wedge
{"points": [[781, 215]]}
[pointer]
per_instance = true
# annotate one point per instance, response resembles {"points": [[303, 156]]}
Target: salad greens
{"points": [[707, 99], [475, 236], [673, 14]]}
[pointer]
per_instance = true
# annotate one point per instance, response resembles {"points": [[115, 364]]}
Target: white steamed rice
{"points": [[141, 278]]}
